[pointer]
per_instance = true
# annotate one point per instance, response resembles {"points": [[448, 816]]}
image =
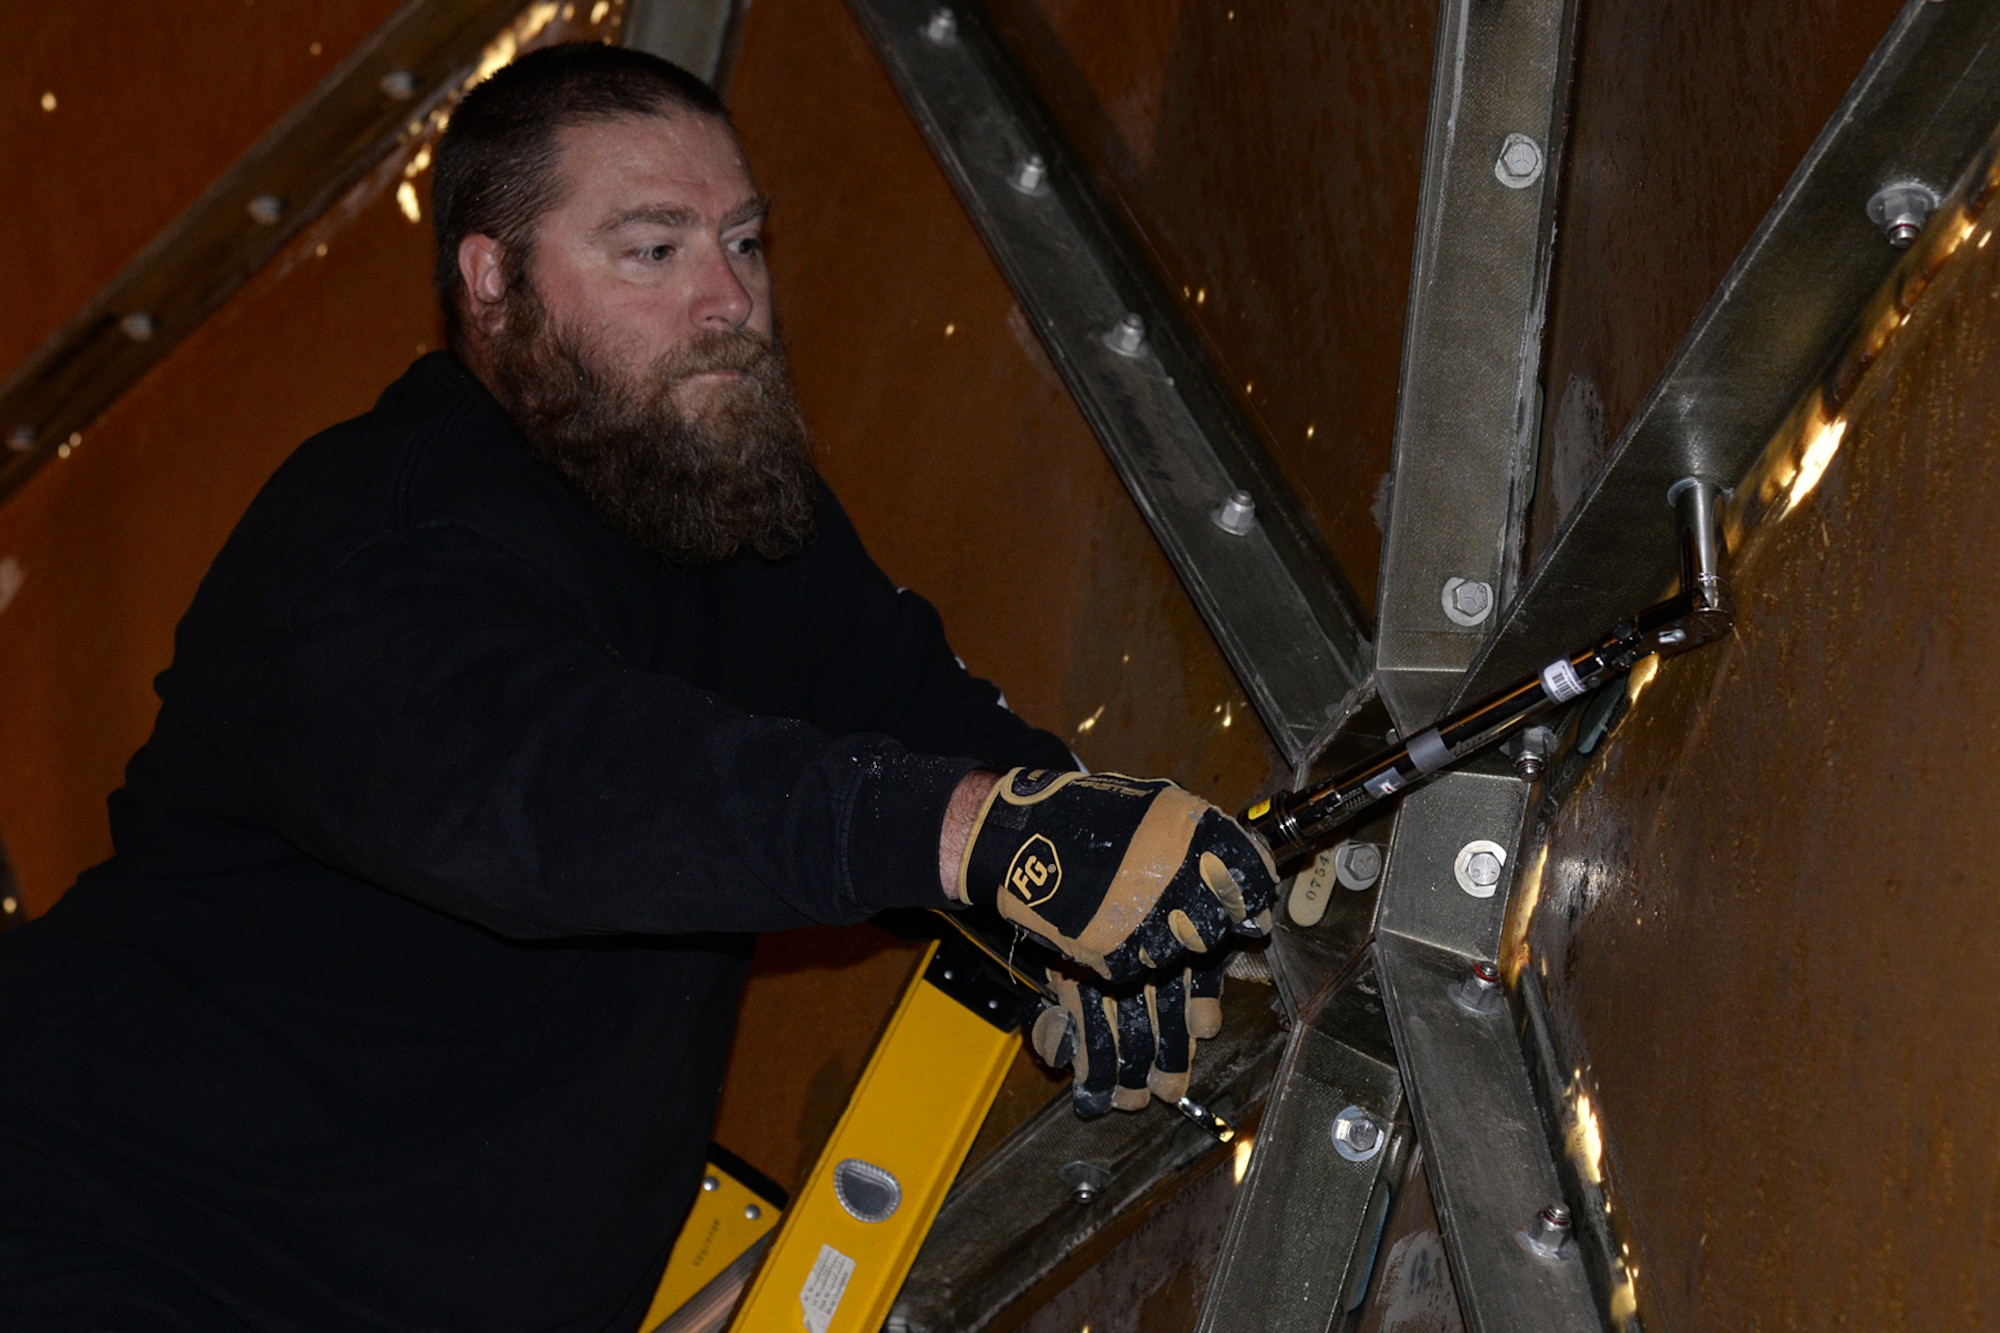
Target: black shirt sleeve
{"points": [[434, 718], [883, 664]]}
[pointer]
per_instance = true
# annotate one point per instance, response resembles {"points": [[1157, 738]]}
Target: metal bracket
{"points": [[1472, 344], [1329, 1151], [1251, 562], [1922, 110]]}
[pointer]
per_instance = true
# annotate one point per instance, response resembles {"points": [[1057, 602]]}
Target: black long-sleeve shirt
{"points": [[405, 1000]]}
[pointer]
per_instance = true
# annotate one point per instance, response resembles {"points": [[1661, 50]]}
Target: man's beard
{"points": [[692, 490]]}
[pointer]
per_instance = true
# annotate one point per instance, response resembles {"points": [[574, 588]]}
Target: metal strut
{"points": [[1698, 613]]}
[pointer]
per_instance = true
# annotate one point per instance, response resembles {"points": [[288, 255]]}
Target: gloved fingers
{"points": [[1054, 1036], [1252, 876], [1173, 1052], [1136, 1045], [1094, 1056], [1204, 1003]]}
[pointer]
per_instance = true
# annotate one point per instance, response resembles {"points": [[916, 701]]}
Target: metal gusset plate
{"points": [[1487, 1151], [1466, 412], [1258, 574], [380, 97], [1302, 1236], [1921, 112]]}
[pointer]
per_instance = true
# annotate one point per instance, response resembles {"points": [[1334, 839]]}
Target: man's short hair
{"points": [[495, 172]]}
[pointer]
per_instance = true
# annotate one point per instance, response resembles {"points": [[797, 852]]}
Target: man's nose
{"points": [[720, 300]]}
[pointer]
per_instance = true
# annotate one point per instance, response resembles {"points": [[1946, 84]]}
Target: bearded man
{"points": [[507, 716]]}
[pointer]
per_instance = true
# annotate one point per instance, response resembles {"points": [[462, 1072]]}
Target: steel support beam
{"points": [[380, 98], [1261, 579], [1302, 1236], [1466, 415], [1921, 111], [698, 35]]}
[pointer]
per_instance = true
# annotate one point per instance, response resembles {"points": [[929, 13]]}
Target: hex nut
{"points": [[1128, 336], [1901, 210], [1031, 176], [941, 29], [1236, 515], [1086, 1180]]}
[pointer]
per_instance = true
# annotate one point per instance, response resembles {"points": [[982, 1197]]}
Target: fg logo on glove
{"points": [[1035, 872]]}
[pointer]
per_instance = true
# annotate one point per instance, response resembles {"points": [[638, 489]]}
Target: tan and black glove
{"points": [[1125, 1048], [1123, 875]]}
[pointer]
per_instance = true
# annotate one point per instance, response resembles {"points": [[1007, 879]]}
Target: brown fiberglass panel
{"points": [[1767, 915], [1689, 117], [116, 115], [1268, 158]]}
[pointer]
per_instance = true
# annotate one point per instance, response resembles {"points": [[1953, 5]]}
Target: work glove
{"points": [[1122, 875], [1124, 1048]]}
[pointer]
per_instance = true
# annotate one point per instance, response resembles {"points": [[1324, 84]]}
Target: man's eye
{"points": [[656, 254], [748, 245]]}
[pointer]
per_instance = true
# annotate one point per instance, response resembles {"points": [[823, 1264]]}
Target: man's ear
{"points": [[485, 283]]}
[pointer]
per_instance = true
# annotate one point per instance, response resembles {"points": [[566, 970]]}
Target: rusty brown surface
{"points": [[1269, 158], [151, 102], [111, 541], [1768, 909], [1689, 117]]}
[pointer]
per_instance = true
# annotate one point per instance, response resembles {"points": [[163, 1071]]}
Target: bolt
{"points": [[138, 326], [1129, 338], [1358, 865], [1532, 752], [21, 439], [942, 28], [751, 1212], [266, 209], [1478, 867], [1548, 1234], [1901, 211], [1086, 1180], [1356, 1136], [1483, 869], [1031, 176], [709, 1184], [1237, 515], [1480, 992], [399, 84], [1520, 162], [1472, 599]]}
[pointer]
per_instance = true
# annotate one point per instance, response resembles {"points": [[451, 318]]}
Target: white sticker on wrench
{"points": [[1560, 680]]}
